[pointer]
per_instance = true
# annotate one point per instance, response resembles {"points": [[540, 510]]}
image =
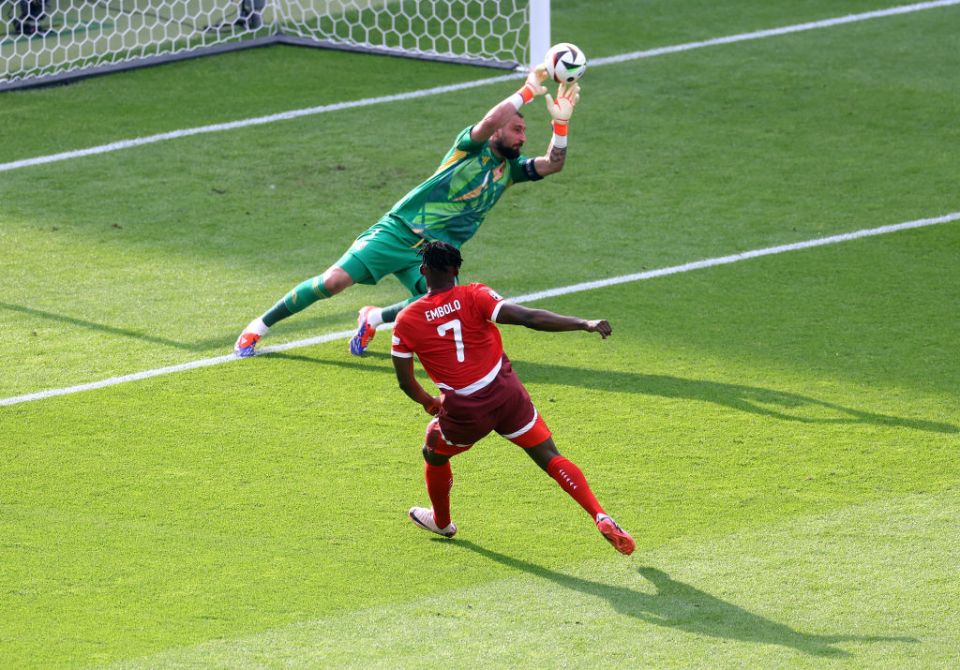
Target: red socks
{"points": [[571, 480], [439, 482]]}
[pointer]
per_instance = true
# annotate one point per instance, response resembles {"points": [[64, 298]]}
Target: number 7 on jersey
{"points": [[454, 325]]}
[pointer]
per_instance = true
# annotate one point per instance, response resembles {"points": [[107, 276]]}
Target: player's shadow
{"points": [[685, 607], [781, 405], [225, 343]]}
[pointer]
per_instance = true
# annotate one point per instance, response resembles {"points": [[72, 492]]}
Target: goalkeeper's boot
{"points": [[423, 517], [250, 337], [617, 536], [365, 332], [245, 344]]}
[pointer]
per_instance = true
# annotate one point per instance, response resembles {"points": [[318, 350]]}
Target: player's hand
{"points": [[433, 407], [601, 326], [561, 109], [533, 86], [535, 79]]}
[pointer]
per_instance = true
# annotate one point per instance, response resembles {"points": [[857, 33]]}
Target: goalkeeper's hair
{"points": [[441, 256]]}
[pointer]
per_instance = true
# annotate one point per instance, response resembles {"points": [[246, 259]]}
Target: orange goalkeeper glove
{"points": [[531, 88], [561, 109]]}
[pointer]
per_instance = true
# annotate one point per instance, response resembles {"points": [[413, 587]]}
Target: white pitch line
{"points": [[245, 123], [182, 367], [735, 258], [529, 297], [776, 32], [439, 90]]}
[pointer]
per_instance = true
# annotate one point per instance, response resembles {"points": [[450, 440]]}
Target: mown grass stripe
{"points": [[440, 90], [529, 297]]}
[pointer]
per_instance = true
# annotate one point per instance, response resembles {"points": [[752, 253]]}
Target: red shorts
{"points": [[503, 406]]}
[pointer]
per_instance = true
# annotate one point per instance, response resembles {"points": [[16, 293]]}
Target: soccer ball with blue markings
{"points": [[565, 62]]}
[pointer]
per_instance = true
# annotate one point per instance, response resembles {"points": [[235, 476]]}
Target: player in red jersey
{"points": [[452, 331]]}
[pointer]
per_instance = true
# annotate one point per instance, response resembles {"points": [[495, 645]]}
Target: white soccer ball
{"points": [[565, 62]]}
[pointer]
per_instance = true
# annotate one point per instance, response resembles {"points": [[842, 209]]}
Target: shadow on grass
{"points": [[781, 405], [684, 607], [310, 325]]}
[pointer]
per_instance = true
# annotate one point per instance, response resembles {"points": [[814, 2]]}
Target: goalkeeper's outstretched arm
{"points": [[561, 109], [500, 114]]}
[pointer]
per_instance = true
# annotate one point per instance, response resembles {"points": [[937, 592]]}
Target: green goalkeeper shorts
{"points": [[386, 247]]}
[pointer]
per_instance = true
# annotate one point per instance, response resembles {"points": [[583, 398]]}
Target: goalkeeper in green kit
{"points": [[449, 206]]}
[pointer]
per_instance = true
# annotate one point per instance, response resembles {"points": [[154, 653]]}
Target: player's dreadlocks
{"points": [[440, 256]]}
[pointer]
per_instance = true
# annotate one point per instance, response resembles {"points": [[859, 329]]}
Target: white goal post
{"points": [[50, 41]]}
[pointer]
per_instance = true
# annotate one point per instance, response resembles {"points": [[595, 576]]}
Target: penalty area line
{"points": [[529, 297]]}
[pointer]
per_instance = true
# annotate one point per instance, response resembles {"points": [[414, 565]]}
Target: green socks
{"points": [[390, 313], [302, 296]]}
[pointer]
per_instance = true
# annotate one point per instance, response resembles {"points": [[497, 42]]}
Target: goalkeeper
{"points": [[449, 207]]}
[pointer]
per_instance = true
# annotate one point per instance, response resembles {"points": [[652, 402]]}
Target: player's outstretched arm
{"points": [[498, 115], [408, 382], [541, 319], [561, 109]]}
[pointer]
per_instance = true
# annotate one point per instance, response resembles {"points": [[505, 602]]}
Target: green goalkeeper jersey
{"points": [[452, 203]]}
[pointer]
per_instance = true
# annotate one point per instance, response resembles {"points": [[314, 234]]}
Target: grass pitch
{"points": [[780, 435]]}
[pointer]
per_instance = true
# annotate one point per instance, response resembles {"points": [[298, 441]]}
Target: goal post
{"points": [[539, 27], [49, 41]]}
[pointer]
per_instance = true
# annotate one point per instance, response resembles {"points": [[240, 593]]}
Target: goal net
{"points": [[46, 41]]}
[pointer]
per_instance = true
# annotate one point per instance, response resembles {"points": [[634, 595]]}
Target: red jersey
{"points": [[454, 335]]}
